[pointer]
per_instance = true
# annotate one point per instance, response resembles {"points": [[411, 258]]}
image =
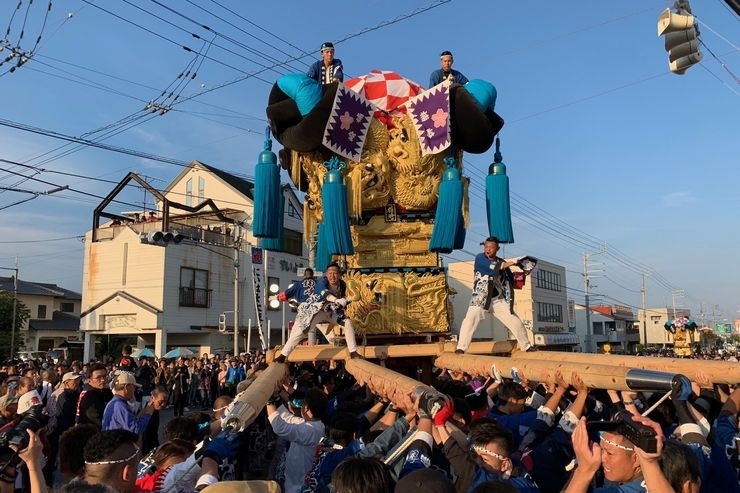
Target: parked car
{"points": [[31, 355]]}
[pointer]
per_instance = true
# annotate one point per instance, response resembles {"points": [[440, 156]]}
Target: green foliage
{"points": [[6, 323]]}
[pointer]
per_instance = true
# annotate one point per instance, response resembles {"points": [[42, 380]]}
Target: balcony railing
{"points": [[195, 297]]}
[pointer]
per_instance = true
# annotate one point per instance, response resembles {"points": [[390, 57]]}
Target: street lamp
{"points": [[274, 290]]}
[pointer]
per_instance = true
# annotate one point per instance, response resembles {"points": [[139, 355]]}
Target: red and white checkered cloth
{"points": [[386, 90]]}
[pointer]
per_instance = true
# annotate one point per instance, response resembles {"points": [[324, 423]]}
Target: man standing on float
{"points": [[326, 305], [489, 297]]}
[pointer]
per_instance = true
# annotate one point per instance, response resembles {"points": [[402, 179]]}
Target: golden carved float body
{"points": [[397, 284]]}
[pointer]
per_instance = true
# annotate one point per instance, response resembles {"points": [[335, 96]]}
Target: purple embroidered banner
{"points": [[430, 112], [348, 124]]}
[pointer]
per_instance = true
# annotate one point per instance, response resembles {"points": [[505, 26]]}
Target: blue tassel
{"points": [[323, 257], [460, 233], [448, 218], [276, 244], [334, 205], [267, 193], [497, 199]]}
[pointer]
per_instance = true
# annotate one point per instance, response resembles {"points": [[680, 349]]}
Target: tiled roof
{"points": [[59, 321], [38, 288]]}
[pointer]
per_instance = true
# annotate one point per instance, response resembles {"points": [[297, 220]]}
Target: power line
{"points": [[43, 240]]}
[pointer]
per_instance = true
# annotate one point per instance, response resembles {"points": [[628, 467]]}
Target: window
{"points": [[598, 328], [194, 290], [201, 189], [41, 311], [549, 312], [189, 192], [67, 307], [292, 242], [548, 280], [292, 211]]}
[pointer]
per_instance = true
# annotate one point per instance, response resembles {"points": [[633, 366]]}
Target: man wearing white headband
{"points": [[446, 72]]}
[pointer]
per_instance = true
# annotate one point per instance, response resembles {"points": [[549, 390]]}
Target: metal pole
{"points": [[15, 311], [249, 336], [269, 329], [644, 314], [589, 329], [237, 241], [283, 339]]}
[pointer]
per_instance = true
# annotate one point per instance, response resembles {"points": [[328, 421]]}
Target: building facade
{"points": [[613, 328], [652, 321], [541, 304], [54, 314], [189, 271]]}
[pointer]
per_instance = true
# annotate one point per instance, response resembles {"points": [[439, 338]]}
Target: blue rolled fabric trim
{"points": [[302, 89], [484, 93]]}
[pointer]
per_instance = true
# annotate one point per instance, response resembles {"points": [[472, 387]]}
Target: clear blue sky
{"points": [[604, 146]]}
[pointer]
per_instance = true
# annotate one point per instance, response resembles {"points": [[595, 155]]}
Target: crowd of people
{"points": [[96, 427]]}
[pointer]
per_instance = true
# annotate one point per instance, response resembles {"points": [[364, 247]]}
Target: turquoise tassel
{"points": [[267, 193], [448, 218], [323, 257], [334, 205], [460, 233], [276, 244], [497, 199]]}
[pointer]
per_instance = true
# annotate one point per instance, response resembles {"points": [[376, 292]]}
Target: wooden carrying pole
{"points": [[715, 371], [382, 381], [249, 403], [547, 364], [327, 352]]}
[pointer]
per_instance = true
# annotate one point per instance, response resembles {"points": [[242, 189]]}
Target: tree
{"points": [[22, 315]]}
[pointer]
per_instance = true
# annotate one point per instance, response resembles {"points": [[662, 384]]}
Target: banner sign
{"points": [[258, 292]]}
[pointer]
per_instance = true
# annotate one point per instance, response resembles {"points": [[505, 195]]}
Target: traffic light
{"points": [[161, 238], [681, 41]]}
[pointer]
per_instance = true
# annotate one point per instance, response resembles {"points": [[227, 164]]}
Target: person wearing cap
{"points": [[489, 296], [446, 72], [117, 414], [328, 69], [62, 407]]}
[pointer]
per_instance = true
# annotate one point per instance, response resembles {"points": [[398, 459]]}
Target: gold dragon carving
{"points": [[392, 171]]}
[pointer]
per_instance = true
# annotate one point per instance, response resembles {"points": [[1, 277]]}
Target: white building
{"points": [[613, 328], [54, 314], [651, 324], [168, 276]]}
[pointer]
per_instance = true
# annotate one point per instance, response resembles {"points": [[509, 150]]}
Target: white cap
{"points": [[28, 400], [70, 375], [125, 378]]}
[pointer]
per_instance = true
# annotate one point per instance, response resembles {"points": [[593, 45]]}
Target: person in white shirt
{"points": [[303, 434]]}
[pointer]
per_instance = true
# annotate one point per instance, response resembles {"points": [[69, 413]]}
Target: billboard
{"points": [[724, 329]]}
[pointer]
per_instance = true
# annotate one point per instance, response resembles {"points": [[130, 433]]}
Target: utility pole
{"points": [[589, 330], [590, 345], [677, 293], [644, 313], [237, 245]]}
